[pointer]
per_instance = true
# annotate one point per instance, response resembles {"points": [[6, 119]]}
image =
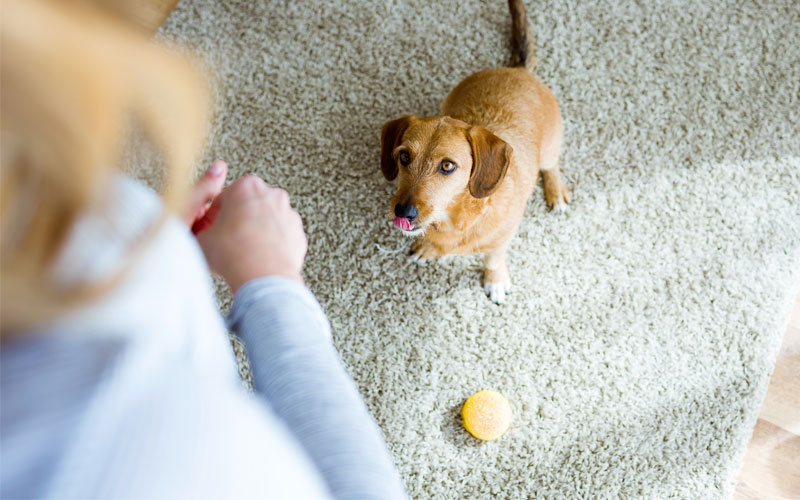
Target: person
{"points": [[117, 379]]}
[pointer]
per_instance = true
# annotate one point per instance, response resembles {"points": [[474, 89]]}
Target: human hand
{"points": [[249, 231], [208, 187]]}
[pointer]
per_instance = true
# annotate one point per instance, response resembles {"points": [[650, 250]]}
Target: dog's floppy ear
{"points": [[490, 159], [391, 133]]}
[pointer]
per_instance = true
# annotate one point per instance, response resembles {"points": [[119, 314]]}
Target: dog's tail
{"points": [[523, 49]]}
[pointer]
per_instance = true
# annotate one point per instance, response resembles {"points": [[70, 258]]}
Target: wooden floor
{"points": [[771, 469]]}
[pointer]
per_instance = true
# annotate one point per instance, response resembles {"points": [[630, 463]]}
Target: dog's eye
{"points": [[404, 158], [447, 167]]}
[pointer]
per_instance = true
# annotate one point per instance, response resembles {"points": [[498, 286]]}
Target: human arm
{"points": [[297, 369], [255, 241]]}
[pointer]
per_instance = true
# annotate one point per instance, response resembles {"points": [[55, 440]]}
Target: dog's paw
{"points": [[417, 260], [560, 207], [497, 291], [422, 253], [556, 193]]}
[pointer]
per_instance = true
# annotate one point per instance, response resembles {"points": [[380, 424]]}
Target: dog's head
{"points": [[439, 162]]}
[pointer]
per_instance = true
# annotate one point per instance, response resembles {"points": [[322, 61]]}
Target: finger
{"points": [[208, 218], [298, 217], [249, 185], [279, 196], [205, 190]]}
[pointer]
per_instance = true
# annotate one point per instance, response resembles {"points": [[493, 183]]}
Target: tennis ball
{"points": [[486, 415]]}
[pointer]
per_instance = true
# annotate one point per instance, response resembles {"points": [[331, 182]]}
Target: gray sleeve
{"points": [[297, 370]]}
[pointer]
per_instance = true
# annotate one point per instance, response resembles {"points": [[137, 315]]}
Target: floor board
{"points": [[771, 468]]}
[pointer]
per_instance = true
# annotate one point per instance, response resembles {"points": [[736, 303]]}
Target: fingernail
{"points": [[216, 168]]}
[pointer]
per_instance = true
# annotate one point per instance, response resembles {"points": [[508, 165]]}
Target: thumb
{"points": [[204, 191]]}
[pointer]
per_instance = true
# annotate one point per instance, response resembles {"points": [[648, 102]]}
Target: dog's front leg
{"points": [[496, 280], [555, 192]]}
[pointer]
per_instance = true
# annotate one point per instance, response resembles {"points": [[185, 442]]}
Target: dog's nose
{"points": [[410, 212]]}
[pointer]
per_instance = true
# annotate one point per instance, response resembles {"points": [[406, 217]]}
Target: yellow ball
{"points": [[486, 415]]}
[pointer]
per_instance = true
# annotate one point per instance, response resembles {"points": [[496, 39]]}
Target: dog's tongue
{"points": [[403, 223]]}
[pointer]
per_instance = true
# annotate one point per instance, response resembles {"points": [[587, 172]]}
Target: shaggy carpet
{"points": [[637, 344]]}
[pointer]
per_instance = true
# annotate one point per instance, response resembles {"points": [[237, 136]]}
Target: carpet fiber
{"points": [[637, 344]]}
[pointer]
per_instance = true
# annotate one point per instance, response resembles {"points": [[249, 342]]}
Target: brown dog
{"points": [[465, 177]]}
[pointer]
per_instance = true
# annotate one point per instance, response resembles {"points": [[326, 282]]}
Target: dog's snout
{"points": [[409, 212]]}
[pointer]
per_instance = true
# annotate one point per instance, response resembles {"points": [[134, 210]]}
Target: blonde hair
{"points": [[71, 80]]}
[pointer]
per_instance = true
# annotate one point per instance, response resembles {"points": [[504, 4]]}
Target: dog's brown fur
{"points": [[501, 127]]}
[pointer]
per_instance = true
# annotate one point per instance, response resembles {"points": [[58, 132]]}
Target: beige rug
{"points": [[636, 347]]}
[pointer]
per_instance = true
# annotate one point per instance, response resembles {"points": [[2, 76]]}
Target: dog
{"points": [[465, 177]]}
